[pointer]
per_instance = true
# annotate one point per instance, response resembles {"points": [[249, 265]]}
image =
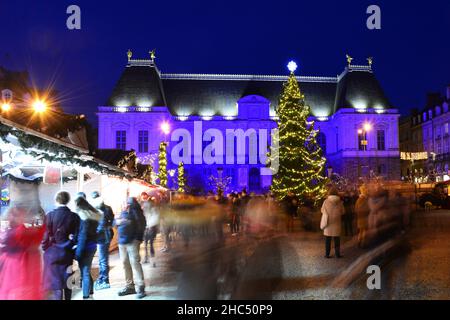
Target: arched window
{"points": [[322, 141]]}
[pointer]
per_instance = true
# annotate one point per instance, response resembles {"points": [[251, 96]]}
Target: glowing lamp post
{"points": [[39, 106], [6, 107], [165, 128]]}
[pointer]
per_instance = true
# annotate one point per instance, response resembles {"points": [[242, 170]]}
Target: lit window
{"points": [[143, 141], [424, 116], [430, 114], [121, 139], [446, 127], [381, 143], [362, 140]]}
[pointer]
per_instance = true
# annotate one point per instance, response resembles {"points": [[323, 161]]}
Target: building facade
{"points": [[204, 116], [429, 137]]}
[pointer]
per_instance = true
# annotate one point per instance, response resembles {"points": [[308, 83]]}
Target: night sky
{"points": [[411, 52]]}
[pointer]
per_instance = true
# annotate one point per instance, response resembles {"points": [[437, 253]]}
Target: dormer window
{"points": [[438, 111], [424, 116], [430, 114], [7, 95]]}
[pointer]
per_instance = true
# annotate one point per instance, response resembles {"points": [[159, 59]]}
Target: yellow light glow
{"points": [[367, 127], [165, 128], [6, 107], [39, 106]]}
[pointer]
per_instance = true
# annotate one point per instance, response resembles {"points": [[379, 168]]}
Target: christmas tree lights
{"points": [[181, 177], [162, 162], [299, 156]]}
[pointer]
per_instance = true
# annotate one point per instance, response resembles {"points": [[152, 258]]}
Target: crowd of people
{"points": [[377, 214], [64, 236]]}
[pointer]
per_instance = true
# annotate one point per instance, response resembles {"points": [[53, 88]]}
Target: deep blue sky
{"points": [[411, 52]]}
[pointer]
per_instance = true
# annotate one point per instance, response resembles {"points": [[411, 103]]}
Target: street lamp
{"points": [[39, 106], [6, 107], [165, 128]]}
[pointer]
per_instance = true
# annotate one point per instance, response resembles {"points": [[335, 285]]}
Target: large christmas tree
{"points": [[300, 160]]}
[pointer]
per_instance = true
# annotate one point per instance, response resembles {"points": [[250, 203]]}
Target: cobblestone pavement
{"points": [[204, 270], [422, 271], [291, 266]]}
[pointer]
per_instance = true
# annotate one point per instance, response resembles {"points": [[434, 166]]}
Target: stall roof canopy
{"points": [[44, 147]]}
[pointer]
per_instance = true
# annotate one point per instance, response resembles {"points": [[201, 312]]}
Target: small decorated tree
{"points": [[181, 178], [162, 162]]}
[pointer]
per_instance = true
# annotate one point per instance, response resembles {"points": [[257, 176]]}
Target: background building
{"points": [[358, 126], [429, 129]]}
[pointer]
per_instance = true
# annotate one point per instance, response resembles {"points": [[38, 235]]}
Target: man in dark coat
{"points": [[59, 240]]}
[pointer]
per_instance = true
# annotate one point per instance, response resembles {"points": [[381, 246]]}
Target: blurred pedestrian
{"points": [[290, 204], [61, 234], [105, 234], [131, 227], [331, 222], [87, 242], [362, 215], [152, 222], [348, 213], [235, 214], [20, 256]]}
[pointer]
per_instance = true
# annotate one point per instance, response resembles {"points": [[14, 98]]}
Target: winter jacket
{"points": [[87, 234], [332, 211], [133, 227], [104, 231], [60, 237]]}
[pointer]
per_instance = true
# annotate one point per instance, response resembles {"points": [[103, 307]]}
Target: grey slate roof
{"points": [[360, 89], [138, 84], [190, 94]]}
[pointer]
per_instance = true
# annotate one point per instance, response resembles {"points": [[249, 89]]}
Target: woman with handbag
{"points": [[331, 222]]}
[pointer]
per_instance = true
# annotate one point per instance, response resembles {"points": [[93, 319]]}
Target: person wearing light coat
{"points": [[331, 222]]}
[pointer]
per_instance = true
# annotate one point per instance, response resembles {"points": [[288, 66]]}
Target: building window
{"points": [[381, 144], [438, 111], [446, 128], [381, 169], [438, 147], [121, 139], [424, 116], [362, 140], [322, 142], [143, 141], [430, 114]]}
